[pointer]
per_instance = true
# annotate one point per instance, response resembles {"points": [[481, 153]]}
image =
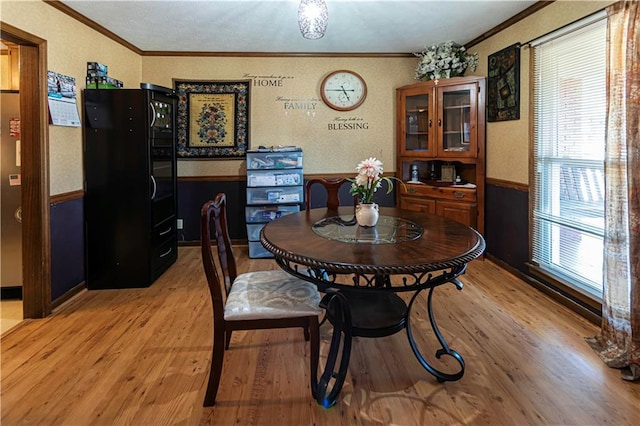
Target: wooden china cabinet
{"points": [[441, 148]]}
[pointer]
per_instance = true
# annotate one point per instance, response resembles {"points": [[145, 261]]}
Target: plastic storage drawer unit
{"points": [[262, 214], [274, 195], [258, 160], [275, 188]]}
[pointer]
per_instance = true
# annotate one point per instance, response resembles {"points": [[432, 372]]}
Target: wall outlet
{"points": [[179, 223]]}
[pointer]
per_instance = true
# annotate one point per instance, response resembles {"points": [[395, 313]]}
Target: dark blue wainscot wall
{"points": [[67, 246], [194, 192], [507, 223], [506, 228], [67, 223]]}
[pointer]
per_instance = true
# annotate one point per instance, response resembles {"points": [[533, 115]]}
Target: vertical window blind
{"points": [[569, 109]]}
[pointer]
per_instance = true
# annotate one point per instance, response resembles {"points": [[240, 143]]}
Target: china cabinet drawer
{"points": [[441, 192], [464, 213], [425, 205]]}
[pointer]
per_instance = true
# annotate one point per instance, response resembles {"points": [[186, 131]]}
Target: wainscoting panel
{"points": [[67, 246], [507, 225], [192, 194]]}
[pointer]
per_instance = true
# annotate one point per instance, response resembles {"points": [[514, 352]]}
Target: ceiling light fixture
{"points": [[312, 18]]}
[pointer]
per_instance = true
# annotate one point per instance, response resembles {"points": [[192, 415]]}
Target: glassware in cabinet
{"points": [[457, 115], [416, 123]]}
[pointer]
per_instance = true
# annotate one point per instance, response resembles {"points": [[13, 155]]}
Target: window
{"points": [[569, 96]]}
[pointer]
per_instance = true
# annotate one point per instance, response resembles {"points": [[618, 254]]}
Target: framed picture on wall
{"points": [[212, 119], [503, 85]]}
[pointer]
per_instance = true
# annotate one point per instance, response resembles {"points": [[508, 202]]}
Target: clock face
{"points": [[343, 90]]}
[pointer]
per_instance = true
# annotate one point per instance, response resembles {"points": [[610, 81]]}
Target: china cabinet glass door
{"points": [[418, 124], [456, 118]]}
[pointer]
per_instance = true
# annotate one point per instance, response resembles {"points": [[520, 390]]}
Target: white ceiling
{"points": [[270, 26]]}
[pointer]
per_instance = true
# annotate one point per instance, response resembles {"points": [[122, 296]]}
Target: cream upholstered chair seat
{"points": [[257, 300], [270, 294]]}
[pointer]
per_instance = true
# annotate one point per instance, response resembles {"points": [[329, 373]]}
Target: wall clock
{"points": [[343, 90]]}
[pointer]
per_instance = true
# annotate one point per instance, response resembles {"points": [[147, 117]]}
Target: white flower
{"points": [[443, 61], [371, 167], [369, 179], [362, 180]]}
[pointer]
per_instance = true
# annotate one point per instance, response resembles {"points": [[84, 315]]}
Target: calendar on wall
{"points": [[61, 95]]}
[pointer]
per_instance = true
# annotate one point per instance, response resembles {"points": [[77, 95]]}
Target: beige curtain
{"points": [[618, 342]]}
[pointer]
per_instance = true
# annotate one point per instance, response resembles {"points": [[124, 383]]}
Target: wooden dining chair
{"points": [[332, 186], [252, 300]]}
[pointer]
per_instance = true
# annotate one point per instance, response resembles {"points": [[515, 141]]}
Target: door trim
{"points": [[36, 234]]}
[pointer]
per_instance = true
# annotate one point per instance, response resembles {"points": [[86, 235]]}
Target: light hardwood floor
{"points": [[141, 357]]}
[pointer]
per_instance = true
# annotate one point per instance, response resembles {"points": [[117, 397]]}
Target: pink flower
{"points": [[371, 167], [369, 179]]}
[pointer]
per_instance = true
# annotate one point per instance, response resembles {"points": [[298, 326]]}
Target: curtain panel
{"points": [[618, 343]]}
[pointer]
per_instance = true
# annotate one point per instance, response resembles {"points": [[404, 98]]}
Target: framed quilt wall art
{"points": [[503, 85], [212, 119]]}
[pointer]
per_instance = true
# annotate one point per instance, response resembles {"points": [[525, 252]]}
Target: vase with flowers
{"points": [[364, 185], [444, 60]]}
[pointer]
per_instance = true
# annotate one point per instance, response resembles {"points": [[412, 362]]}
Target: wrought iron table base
{"points": [[374, 312]]}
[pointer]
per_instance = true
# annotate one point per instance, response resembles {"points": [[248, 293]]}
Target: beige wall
{"points": [[70, 45], [508, 141], [283, 83]]}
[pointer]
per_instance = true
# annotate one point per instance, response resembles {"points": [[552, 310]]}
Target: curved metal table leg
{"points": [[444, 350], [326, 389]]}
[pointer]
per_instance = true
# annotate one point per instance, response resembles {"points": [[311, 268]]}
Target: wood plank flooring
{"points": [[141, 357]]}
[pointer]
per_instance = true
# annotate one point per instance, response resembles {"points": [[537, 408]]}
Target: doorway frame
{"points": [[34, 136]]}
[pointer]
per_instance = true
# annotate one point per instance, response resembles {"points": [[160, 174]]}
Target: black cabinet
{"points": [[130, 185]]}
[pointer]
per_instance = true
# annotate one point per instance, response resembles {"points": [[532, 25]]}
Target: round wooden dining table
{"points": [[362, 271]]}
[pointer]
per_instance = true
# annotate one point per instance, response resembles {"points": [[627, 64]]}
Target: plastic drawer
{"points": [[261, 214], [275, 195], [257, 250], [274, 177], [253, 231], [274, 160]]}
